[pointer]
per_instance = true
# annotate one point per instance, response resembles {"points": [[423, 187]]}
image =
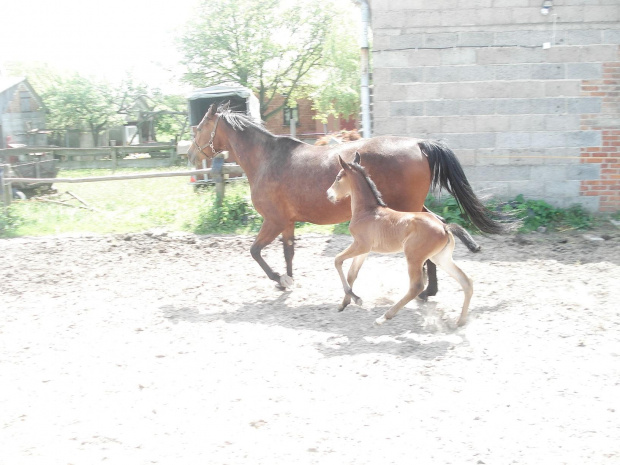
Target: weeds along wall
{"points": [[530, 102]]}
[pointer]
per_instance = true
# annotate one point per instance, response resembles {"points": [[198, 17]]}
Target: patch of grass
{"points": [[119, 206], [532, 213], [235, 215], [537, 213], [171, 203], [9, 222], [448, 208]]}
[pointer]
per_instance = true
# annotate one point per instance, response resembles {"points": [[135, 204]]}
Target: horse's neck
{"points": [[363, 199], [249, 147]]}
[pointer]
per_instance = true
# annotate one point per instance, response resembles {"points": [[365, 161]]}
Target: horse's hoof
{"points": [[461, 321], [286, 281], [379, 321], [423, 296], [358, 301]]}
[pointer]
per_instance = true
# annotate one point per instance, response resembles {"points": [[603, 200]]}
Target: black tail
{"points": [[447, 173], [460, 232]]}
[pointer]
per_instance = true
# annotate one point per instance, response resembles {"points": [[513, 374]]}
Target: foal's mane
{"points": [[240, 121], [373, 187]]}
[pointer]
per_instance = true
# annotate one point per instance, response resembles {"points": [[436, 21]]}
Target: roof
{"points": [[220, 91], [8, 82]]}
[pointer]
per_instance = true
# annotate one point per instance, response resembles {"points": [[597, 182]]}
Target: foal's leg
{"points": [[416, 284], [268, 232], [351, 277], [353, 250], [444, 260]]}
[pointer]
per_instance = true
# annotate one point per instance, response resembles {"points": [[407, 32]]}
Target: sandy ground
{"points": [[175, 349]]}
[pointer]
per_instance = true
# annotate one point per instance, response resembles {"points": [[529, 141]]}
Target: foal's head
{"points": [[350, 175]]}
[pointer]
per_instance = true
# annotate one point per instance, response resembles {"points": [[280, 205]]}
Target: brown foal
{"points": [[377, 228]]}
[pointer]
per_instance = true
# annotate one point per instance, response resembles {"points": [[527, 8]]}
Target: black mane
{"points": [[373, 187], [239, 121]]}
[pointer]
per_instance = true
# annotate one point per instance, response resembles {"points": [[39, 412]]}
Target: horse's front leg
{"points": [[268, 232], [354, 250]]}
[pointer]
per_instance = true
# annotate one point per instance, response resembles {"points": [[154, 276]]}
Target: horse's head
{"points": [[207, 141], [341, 188]]}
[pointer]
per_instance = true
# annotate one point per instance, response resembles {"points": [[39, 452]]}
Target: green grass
{"points": [[138, 205], [172, 204]]}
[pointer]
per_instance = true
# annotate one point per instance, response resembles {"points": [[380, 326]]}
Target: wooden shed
{"points": [[22, 114]]}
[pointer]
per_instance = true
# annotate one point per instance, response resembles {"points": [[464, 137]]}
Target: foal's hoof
{"points": [[286, 281], [379, 321]]}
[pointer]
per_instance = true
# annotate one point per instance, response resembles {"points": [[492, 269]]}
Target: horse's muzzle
{"points": [[331, 196]]}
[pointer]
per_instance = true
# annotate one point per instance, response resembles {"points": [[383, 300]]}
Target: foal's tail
{"points": [[447, 173], [463, 235]]}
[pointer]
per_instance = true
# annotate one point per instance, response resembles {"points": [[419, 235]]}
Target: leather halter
{"points": [[210, 143]]}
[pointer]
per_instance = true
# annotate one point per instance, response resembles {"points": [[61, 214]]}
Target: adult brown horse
{"points": [[288, 178]]}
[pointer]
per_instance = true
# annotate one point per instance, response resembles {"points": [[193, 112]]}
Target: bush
{"points": [[532, 213], [448, 208], [8, 221], [537, 213], [235, 215]]}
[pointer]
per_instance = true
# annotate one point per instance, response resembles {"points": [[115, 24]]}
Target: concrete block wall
{"points": [[529, 102]]}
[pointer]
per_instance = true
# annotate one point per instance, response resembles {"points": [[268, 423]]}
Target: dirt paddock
{"points": [[175, 349]]}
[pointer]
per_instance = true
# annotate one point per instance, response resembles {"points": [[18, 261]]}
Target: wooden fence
{"points": [[132, 156], [216, 176]]}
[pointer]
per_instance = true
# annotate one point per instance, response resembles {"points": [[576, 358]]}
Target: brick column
{"points": [[607, 156]]}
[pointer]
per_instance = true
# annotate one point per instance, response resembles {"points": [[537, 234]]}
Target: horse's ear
{"points": [[342, 162], [211, 111], [357, 158], [226, 106]]}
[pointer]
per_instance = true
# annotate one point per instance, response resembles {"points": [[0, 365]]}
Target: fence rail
{"points": [[216, 175], [131, 156]]}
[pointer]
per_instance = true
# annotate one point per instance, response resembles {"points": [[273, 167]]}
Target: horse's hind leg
{"points": [[431, 288], [416, 285], [444, 260], [351, 277], [268, 232]]}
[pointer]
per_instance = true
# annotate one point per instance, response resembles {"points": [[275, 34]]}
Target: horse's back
{"points": [[299, 175], [399, 169]]}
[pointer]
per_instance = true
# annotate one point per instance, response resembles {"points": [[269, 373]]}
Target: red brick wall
{"points": [[308, 128], [607, 187]]}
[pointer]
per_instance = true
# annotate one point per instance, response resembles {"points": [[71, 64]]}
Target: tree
{"points": [[167, 113], [270, 46], [336, 81], [82, 103], [74, 101]]}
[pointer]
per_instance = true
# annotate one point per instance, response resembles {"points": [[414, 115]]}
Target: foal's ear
{"points": [[357, 158]]}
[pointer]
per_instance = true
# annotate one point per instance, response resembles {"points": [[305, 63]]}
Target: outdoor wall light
{"points": [[546, 6]]}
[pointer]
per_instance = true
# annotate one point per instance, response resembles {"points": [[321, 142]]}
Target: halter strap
{"points": [[210, 143]]}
